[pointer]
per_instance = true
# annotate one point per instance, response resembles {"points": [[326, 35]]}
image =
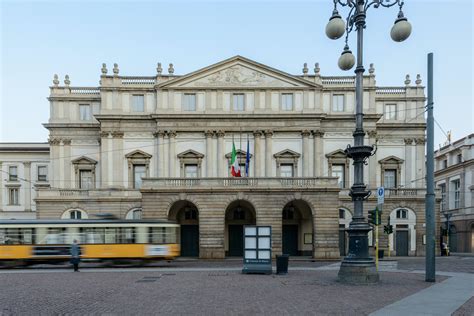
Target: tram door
{"points": [[236, 240], [290, 240], [189, 240], [402, 243]]}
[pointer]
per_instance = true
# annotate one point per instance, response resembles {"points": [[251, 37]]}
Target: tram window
{"points": [[129, 235], [110, 235], [16, 236]]}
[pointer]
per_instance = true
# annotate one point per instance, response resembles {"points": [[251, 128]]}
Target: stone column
{"points": [[257, 135], [408, 163], [54, 156], [372, 169], [110, 160], [420, 162], [118, 157], [67, 169], [104, 144], [305, 143], [27, 185], [268, 152], [157, 155], [318, 153], [172, 154], [220, 154], [209, 156]]}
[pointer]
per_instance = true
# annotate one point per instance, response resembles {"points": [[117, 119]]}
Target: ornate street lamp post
{"points": [[358, 266]]}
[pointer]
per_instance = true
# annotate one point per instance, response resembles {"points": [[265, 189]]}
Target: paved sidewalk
{"points": [[439, 299]]}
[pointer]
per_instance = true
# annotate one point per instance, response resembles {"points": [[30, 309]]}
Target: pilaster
{"points": [[220, 154], [208, 172], [172, 153], [268, 152], [305, 136], [257, 153], [27, 185], [318, 155]]}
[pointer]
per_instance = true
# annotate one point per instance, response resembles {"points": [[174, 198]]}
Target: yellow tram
{"points": [[35, 241]]}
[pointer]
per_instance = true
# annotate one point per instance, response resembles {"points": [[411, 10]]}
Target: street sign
{"points": [[380, 195]]}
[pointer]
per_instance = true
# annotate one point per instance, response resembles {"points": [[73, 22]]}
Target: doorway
{"points": [[402, 243], [290, 240]]}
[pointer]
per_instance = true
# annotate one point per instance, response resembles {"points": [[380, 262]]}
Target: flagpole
{"points": [[240, 152]]}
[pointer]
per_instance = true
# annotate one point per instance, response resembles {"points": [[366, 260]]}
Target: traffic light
{"points": [[379, 216], [388, 229], [372, 216]]}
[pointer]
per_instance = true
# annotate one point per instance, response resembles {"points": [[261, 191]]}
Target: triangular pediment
{"points": [[237, 72], [240, 153], [337, 154], [137, 154], [190, 154], [391, 160], [83, 160], [287, 153]]}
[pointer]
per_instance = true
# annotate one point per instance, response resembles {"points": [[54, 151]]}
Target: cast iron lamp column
{"points": [[358, 267]]}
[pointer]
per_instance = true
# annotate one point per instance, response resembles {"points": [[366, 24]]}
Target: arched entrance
{"points": [[187, 215], [238, 214], [403, 239], [297, 229]]}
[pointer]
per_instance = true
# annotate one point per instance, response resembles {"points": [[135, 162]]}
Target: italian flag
{"points": [[235, 168]]}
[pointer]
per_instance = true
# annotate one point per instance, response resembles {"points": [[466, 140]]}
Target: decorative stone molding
{"points": [[159, 133], [104, 69], [117, 134], [56, 80], [318, 133], [159, 69], [317, 69], [339, 157], [268, 133], [407, 80], [287, 156], [257, 133], [84, 163], [372, 133], [305, 133], [420, 141], [54, 141], [408, 141], [27, 163], [190, 157], [172, 134], [391, 163], [208, 133], [137, 157], [220, 133], [67, 141], [104, 134], [116, 69]]}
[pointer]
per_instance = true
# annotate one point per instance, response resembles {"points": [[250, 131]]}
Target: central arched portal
{"points": [[237, 215], [186, 214], [297, 229]]}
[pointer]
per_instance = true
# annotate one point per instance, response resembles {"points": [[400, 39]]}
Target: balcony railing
{"points": [[338, 80], [390, 90], [84, 193]]}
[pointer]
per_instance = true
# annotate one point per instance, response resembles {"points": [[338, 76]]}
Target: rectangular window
{"points": [[189, 102], [138, 103], [239, 102], [85, 179], [191, 171], [287, 101], [459, 158], [445, 163], [390, 111], [390, 178], [139, 172], [286, 170], [42, 173], [13, 196], [457, 193], [85, 112], [338, 171], [338, 103], [12, 173], [443, 196]]}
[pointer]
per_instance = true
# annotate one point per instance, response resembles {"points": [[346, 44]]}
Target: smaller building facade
{"points": [[23, 168], [454, 177]]}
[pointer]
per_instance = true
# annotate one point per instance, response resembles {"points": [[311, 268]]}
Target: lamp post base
{"points": [[358, 272]]}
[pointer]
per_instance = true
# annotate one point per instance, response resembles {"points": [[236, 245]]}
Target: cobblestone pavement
{"points": [[213, 292], [447, 264], [466, 309]]}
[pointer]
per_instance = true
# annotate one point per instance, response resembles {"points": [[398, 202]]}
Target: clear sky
{"points": [[41, 38]]}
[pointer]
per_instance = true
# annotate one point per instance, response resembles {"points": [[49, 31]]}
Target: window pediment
{"points": [[287, 154], [391, 160], [190, 154], [337, 154], [138, 154], [84, 161]]}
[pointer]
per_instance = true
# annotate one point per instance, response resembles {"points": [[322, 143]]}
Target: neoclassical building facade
{"points": [[159, 147]]}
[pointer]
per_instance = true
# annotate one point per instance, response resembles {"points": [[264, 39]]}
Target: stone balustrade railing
{"points": [[129, 80], [84, 193], [394, 193], [338, 80], [390, 90], [85, 90]]}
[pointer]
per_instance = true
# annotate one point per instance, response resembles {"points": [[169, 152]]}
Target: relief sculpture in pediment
{"points": [[235, 76]]}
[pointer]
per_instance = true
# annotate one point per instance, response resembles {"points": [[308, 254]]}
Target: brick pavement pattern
{"points": [[213, 292]]}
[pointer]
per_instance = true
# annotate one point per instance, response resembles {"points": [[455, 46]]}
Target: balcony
{"points": [[405, 193], [83, 194]]}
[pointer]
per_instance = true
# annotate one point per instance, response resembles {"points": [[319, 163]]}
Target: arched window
{"points": [[74, 214], [134, 214], [239, 213], [289, 212], [402, 214], [190, 213]]}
